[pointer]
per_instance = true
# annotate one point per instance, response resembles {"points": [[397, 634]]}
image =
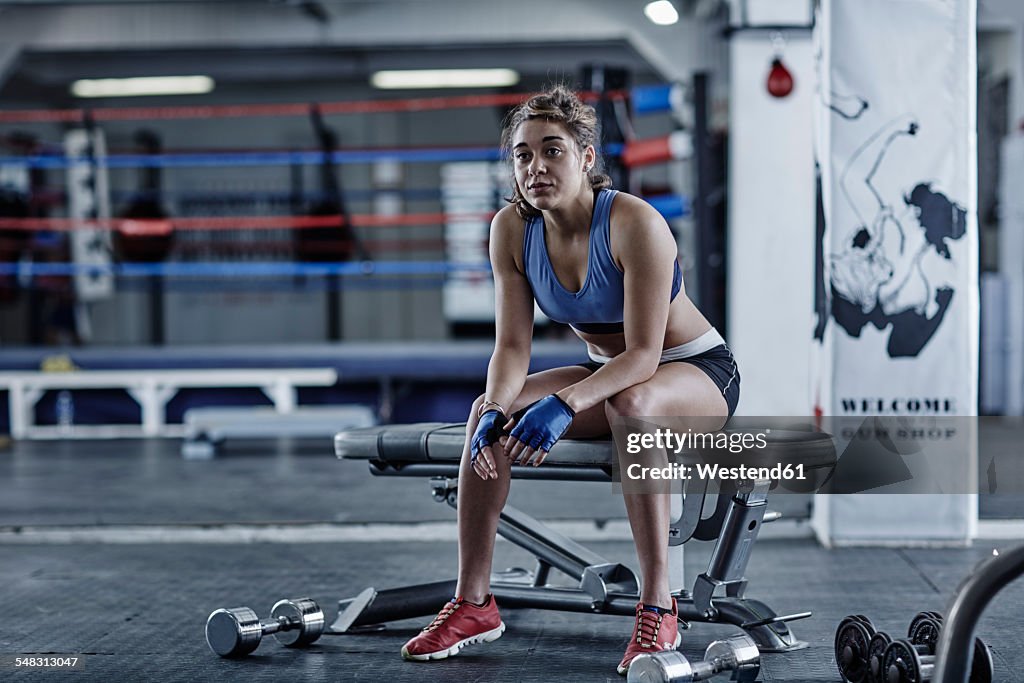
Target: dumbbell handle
{"points": [[708, 668], [282, 623], [926, 654]]}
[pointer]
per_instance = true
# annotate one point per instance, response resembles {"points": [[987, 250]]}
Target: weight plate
{"points": [[926, 632], [918, 618], [853, 618], [876, 652], [864, 620], [901, 664], [857, 617], [851, 650]]}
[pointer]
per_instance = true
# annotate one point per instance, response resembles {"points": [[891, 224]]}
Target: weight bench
{"points": [[434, 450], [207, 428]]}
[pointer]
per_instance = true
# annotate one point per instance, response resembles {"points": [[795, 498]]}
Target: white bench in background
{"points": [[152, 389], [207, 428]]}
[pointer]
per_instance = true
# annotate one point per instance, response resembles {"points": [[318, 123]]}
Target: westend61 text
{"points": [[708, 472]]}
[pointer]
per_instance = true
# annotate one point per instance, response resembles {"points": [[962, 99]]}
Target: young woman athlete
{"points": [[604, 262]]}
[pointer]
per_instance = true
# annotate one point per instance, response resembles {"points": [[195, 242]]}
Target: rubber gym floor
{"points": [[116, 552]]}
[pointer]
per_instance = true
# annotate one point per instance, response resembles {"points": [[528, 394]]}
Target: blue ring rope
{"points": [[227, 269]]}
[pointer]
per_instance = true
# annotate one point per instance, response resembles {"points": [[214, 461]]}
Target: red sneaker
{"points": [[457, 625], [655, 630]]}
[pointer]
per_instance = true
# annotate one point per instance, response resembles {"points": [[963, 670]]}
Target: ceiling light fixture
{"points": [[138, 87], [661, 12], [444, 78]]}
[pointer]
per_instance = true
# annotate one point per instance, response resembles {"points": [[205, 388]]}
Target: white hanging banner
{"points": [[897, 278]]}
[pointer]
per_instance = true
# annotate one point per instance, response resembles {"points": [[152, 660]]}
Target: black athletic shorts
{"points": [[717, 363]]}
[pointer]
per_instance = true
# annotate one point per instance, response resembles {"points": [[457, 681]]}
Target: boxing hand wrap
{"points": [[488, 431], [543, 423]]}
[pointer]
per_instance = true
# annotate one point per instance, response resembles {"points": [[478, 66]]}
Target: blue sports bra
{"points": [[597, 307]]}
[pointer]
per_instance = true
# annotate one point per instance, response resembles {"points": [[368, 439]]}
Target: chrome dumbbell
{"points": [[738, 654], [238, 631]]}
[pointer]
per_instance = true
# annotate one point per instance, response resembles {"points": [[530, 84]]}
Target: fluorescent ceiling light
{"points": [[661, 12], [135, 87], [444, 78]]}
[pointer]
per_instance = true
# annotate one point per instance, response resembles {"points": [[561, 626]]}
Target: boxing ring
{"points": [[76, 238]]}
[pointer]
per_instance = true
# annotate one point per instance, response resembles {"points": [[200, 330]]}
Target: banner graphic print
{"points": [[896, 291]]}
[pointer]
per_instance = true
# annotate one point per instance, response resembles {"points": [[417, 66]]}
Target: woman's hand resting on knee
{"points": [[488, 434], [535, 430]]}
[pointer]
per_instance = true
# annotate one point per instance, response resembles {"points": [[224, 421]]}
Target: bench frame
{"points": [[603, 587]]}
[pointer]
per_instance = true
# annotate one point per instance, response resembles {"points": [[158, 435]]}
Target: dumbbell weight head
{"points": [[920, 618], [876, 652], [302, 611], [668, 666], [905, 663], [925, 632], [851, 649], [740, 655], [233, 632]]}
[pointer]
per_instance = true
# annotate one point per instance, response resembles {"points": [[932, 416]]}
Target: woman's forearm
{"points": [[630, 367], [506, 375]]}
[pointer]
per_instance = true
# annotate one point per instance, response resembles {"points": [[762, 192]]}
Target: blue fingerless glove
{"points": [[544, 423], [488, 430]]}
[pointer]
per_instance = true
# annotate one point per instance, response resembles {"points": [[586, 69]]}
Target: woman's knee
{"points": [[632, 402]]}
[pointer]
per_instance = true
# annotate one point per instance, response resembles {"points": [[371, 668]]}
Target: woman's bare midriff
{"points": [[685, 323]]}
